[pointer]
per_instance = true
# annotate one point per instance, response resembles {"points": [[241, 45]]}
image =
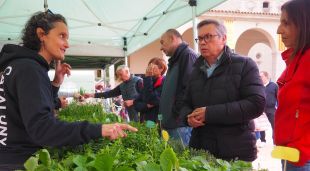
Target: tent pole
{"points": [[126, 59], [193, 4], [125, 50], [45, 6]]}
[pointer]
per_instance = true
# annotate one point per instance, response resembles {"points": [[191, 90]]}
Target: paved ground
{"points": [[264, 160]]}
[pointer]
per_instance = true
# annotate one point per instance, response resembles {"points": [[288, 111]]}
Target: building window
{"points": [[265, 4], [266, 7]]}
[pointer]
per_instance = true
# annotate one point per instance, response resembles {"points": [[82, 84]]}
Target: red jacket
{"points": [[292, 119]]}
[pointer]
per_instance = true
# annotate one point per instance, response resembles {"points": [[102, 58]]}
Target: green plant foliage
{"points": [[80, 161], [104, 162], [168, 160], [124, 168], [31, 164], [82, 91], [149, 167], [141, 151], [44, 157]]}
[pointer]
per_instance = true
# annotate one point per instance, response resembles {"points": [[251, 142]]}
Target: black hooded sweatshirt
{"points": [[27, 120]]}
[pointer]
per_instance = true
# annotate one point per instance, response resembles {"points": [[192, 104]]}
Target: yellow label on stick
{"points": [[165, 135], [285, 153]]}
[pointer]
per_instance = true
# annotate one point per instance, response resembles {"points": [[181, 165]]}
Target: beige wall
{"points": [[188, 37], [139, 59]]}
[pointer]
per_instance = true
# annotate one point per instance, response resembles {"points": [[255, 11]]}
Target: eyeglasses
{"points": [[206, 38]]}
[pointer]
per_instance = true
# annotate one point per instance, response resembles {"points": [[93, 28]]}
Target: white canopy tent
{"points": [[102, 27]]}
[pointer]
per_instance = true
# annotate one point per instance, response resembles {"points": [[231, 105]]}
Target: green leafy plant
{"points": [[82, 91], [141, 151], [41, 161]]}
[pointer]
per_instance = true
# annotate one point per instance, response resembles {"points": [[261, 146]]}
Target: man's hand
{"points": [[128, 103], [197, 117], [78, 97], [99, 87], [61, 69], [149, 105], [116, 130], [88, 95]]}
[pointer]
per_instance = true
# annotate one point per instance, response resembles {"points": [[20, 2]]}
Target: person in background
{"points": [[261, 125], [106, 103], [27, 119], [148, 101], [180, 65], [223, 97], [292, 117], [130, 88], [271, 90], [61, 102]]}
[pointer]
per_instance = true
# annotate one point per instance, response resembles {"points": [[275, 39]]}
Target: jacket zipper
{"points": [[297, 114]]}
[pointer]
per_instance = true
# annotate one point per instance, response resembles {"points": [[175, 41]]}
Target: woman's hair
{"points": [[44, 20], [299, 14], [160, 62]]}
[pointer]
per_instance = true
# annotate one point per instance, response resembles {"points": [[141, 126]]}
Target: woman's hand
{"points": [[61, 69], [116, 130]]}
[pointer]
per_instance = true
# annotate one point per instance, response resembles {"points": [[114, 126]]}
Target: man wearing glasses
{"points": [[224, 94]]}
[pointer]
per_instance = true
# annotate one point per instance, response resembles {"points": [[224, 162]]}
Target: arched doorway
{"points": [[260, 46]]}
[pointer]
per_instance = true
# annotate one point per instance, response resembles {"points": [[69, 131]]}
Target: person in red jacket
{"points": [[292, 118]]}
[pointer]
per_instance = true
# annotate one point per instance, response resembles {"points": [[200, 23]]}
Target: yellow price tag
{"points": [[165, 135], [285, 153]]}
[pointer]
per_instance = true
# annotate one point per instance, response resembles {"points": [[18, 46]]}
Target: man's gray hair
{"points": [[220, 28], [122, 67]]}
